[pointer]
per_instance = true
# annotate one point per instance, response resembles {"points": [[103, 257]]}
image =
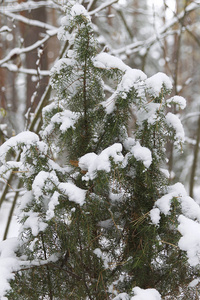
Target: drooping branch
{"points": [[27, 21], [14, 68], [17, 51]]}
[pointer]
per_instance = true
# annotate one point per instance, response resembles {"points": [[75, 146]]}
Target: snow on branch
{"points": [[136, 46], [14, 68], [5, 29], [28, 21], [18, 51], [8, 264], [101, 7], [30, 5]]}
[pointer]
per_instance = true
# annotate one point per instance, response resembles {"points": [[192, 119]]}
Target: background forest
{"points": [[146, 35]]}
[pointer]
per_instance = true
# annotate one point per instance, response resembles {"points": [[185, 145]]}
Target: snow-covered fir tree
{"points": [[98, 217]]}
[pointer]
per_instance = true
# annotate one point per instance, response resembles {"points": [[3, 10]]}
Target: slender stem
{"points": [[11, 212]]}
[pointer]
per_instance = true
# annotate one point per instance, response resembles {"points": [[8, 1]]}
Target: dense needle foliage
{"points": [[88, 213]]}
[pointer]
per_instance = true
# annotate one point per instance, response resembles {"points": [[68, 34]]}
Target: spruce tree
{"points": [[98, 218]]}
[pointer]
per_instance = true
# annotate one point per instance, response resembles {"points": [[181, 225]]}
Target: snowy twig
{"points": [[102, 6], [14, 68], [27, 20], [30, 5], [136, 46], [5, 29], [90, 4], [17, 51]]}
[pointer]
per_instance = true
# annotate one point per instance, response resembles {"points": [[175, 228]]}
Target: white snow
{"points": [[122, 296], [179, 100], [189, 225], [164, 203], [189, 207], [92, 162], [40, 183], [73, 192], [103, 256], [155, 215], [78, 10], [33, 222], [155, 84], [106, 61], [142, 154], [65, 119], [24, 201], [109, 104], [174, 122], [148, 112], [129, 143], [5, 28], [61, 64], [190, 240], [194, 283], [165, 172], [51, 205], [8, 263], [48, 180], [148, 294], [132, 78], [26, 137]]}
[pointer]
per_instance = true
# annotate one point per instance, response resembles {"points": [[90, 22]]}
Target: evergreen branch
{"points": [[164, 242]]}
